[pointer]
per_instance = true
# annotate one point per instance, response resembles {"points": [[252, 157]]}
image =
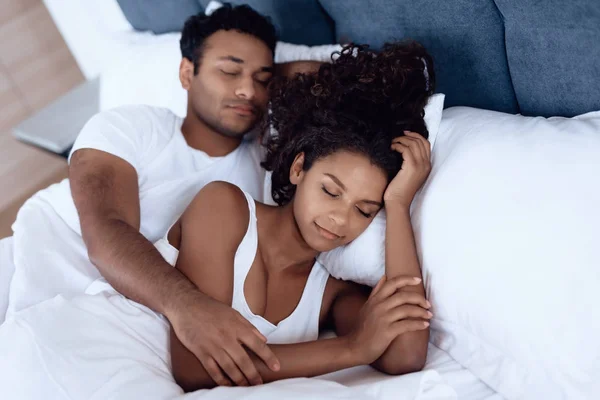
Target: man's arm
{"points": [[105, 190]]}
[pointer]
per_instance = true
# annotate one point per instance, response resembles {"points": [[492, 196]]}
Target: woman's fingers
{"points": [[408, 325], [407, 152], [405, 297], [408, 311], [377, 287], [394, 284], [422, 142]]}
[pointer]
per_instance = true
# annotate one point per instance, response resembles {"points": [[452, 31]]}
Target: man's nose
{"points": [[245, 89]]}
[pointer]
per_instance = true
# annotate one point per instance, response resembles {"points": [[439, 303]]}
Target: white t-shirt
{"points": [[170, 173]]}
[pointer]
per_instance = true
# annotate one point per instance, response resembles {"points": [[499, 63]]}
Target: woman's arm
{"points": [[407, 352], [375, 323]]}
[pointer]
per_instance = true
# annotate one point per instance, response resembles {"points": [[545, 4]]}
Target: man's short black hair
{"points": [[239, 18]]}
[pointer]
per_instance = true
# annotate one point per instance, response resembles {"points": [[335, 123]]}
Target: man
{"points": [[134, 169]]}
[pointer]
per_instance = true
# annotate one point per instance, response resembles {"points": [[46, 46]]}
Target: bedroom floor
{"points": [[36, 67]]}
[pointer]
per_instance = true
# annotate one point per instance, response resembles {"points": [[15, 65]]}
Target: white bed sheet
{"points": [[109, 323], [466, 385], [106, 346]]}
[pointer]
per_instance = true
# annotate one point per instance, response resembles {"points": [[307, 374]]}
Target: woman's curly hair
{"points": [[359, 102]]}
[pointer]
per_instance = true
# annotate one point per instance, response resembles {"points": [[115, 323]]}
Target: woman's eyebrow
{"points": [[340, 184], [376, 203], [336, 180]]}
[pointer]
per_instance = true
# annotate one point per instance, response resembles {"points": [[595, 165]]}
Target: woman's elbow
{"points": [[401, 364], [191, 384]]}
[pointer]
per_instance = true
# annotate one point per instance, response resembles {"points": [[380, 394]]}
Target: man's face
{"points": [[229, 92]]}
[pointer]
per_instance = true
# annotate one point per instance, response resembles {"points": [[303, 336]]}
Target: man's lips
{"points": [[326, 233], [244, 110]]}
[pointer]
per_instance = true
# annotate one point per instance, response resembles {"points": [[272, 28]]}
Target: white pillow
{"points": [[363, 260], [144, 69], [508, 226]]}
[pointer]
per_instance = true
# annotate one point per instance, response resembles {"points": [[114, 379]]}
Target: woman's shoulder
{"points": [[221, 206]]}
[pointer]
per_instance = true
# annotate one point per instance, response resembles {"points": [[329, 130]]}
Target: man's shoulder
{"points": [[139, 112]]}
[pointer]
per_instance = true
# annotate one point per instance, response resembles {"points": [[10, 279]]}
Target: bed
{"points": [[503, 75]]}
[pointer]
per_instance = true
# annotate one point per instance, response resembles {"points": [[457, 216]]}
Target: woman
{"points": [[336, 162]]}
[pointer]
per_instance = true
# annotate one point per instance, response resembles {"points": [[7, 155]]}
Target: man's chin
{"points": [[236, 130]]}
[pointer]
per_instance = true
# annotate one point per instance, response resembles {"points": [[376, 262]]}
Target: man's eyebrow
{"points": [[232, 58], [238, 60]]}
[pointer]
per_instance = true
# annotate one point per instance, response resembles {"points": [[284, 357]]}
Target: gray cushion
{"points": [[159, 16], [553, 50], [465, 38], [297, 21]]}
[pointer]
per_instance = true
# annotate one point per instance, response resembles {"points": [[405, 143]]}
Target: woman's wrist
{"points": [[352, 350], [396, 206]]}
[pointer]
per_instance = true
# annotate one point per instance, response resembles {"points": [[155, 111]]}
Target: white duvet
{"points": [[59, 343], [104, 346]]}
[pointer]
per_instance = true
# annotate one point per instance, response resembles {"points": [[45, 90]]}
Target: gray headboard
{"points": [[527, 56]]}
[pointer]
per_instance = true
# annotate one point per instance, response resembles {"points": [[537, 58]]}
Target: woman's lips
{"points": [[326, 234]]}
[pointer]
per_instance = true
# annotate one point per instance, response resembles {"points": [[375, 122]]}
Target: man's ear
{"points": [[296, 170], [186, 73]]}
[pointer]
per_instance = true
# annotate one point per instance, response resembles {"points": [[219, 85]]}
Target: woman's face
{"points": [[336, 198]]}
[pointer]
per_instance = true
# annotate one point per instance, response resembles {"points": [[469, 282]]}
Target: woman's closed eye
{"points": [[329, 193], [363, 213]]}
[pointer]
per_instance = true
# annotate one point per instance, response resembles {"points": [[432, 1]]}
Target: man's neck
{"points": [[201, 137]]}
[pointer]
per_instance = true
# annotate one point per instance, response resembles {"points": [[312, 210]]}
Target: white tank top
{"points": [[302, 324]]}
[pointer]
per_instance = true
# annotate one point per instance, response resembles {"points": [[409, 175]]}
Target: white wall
{"points": [[91, 29]]}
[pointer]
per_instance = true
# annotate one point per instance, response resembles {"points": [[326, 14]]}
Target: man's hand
{"points": [[215, 333]]}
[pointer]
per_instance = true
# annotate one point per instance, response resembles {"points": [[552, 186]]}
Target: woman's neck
{"points": [[280, 242]]}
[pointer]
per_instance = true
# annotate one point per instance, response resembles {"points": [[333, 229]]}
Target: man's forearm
{"points": [[133, 266]]}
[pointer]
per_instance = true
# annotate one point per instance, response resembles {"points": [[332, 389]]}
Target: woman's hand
{"points": [[416, 153], [387, 314]]}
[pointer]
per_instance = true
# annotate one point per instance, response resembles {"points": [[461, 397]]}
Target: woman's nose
{"points": [[339, 216]]}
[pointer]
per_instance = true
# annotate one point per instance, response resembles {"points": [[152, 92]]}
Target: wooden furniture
{"points": [[36, 67]]}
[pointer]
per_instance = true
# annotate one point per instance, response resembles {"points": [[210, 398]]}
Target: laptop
{"points": [[56, 126]]}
